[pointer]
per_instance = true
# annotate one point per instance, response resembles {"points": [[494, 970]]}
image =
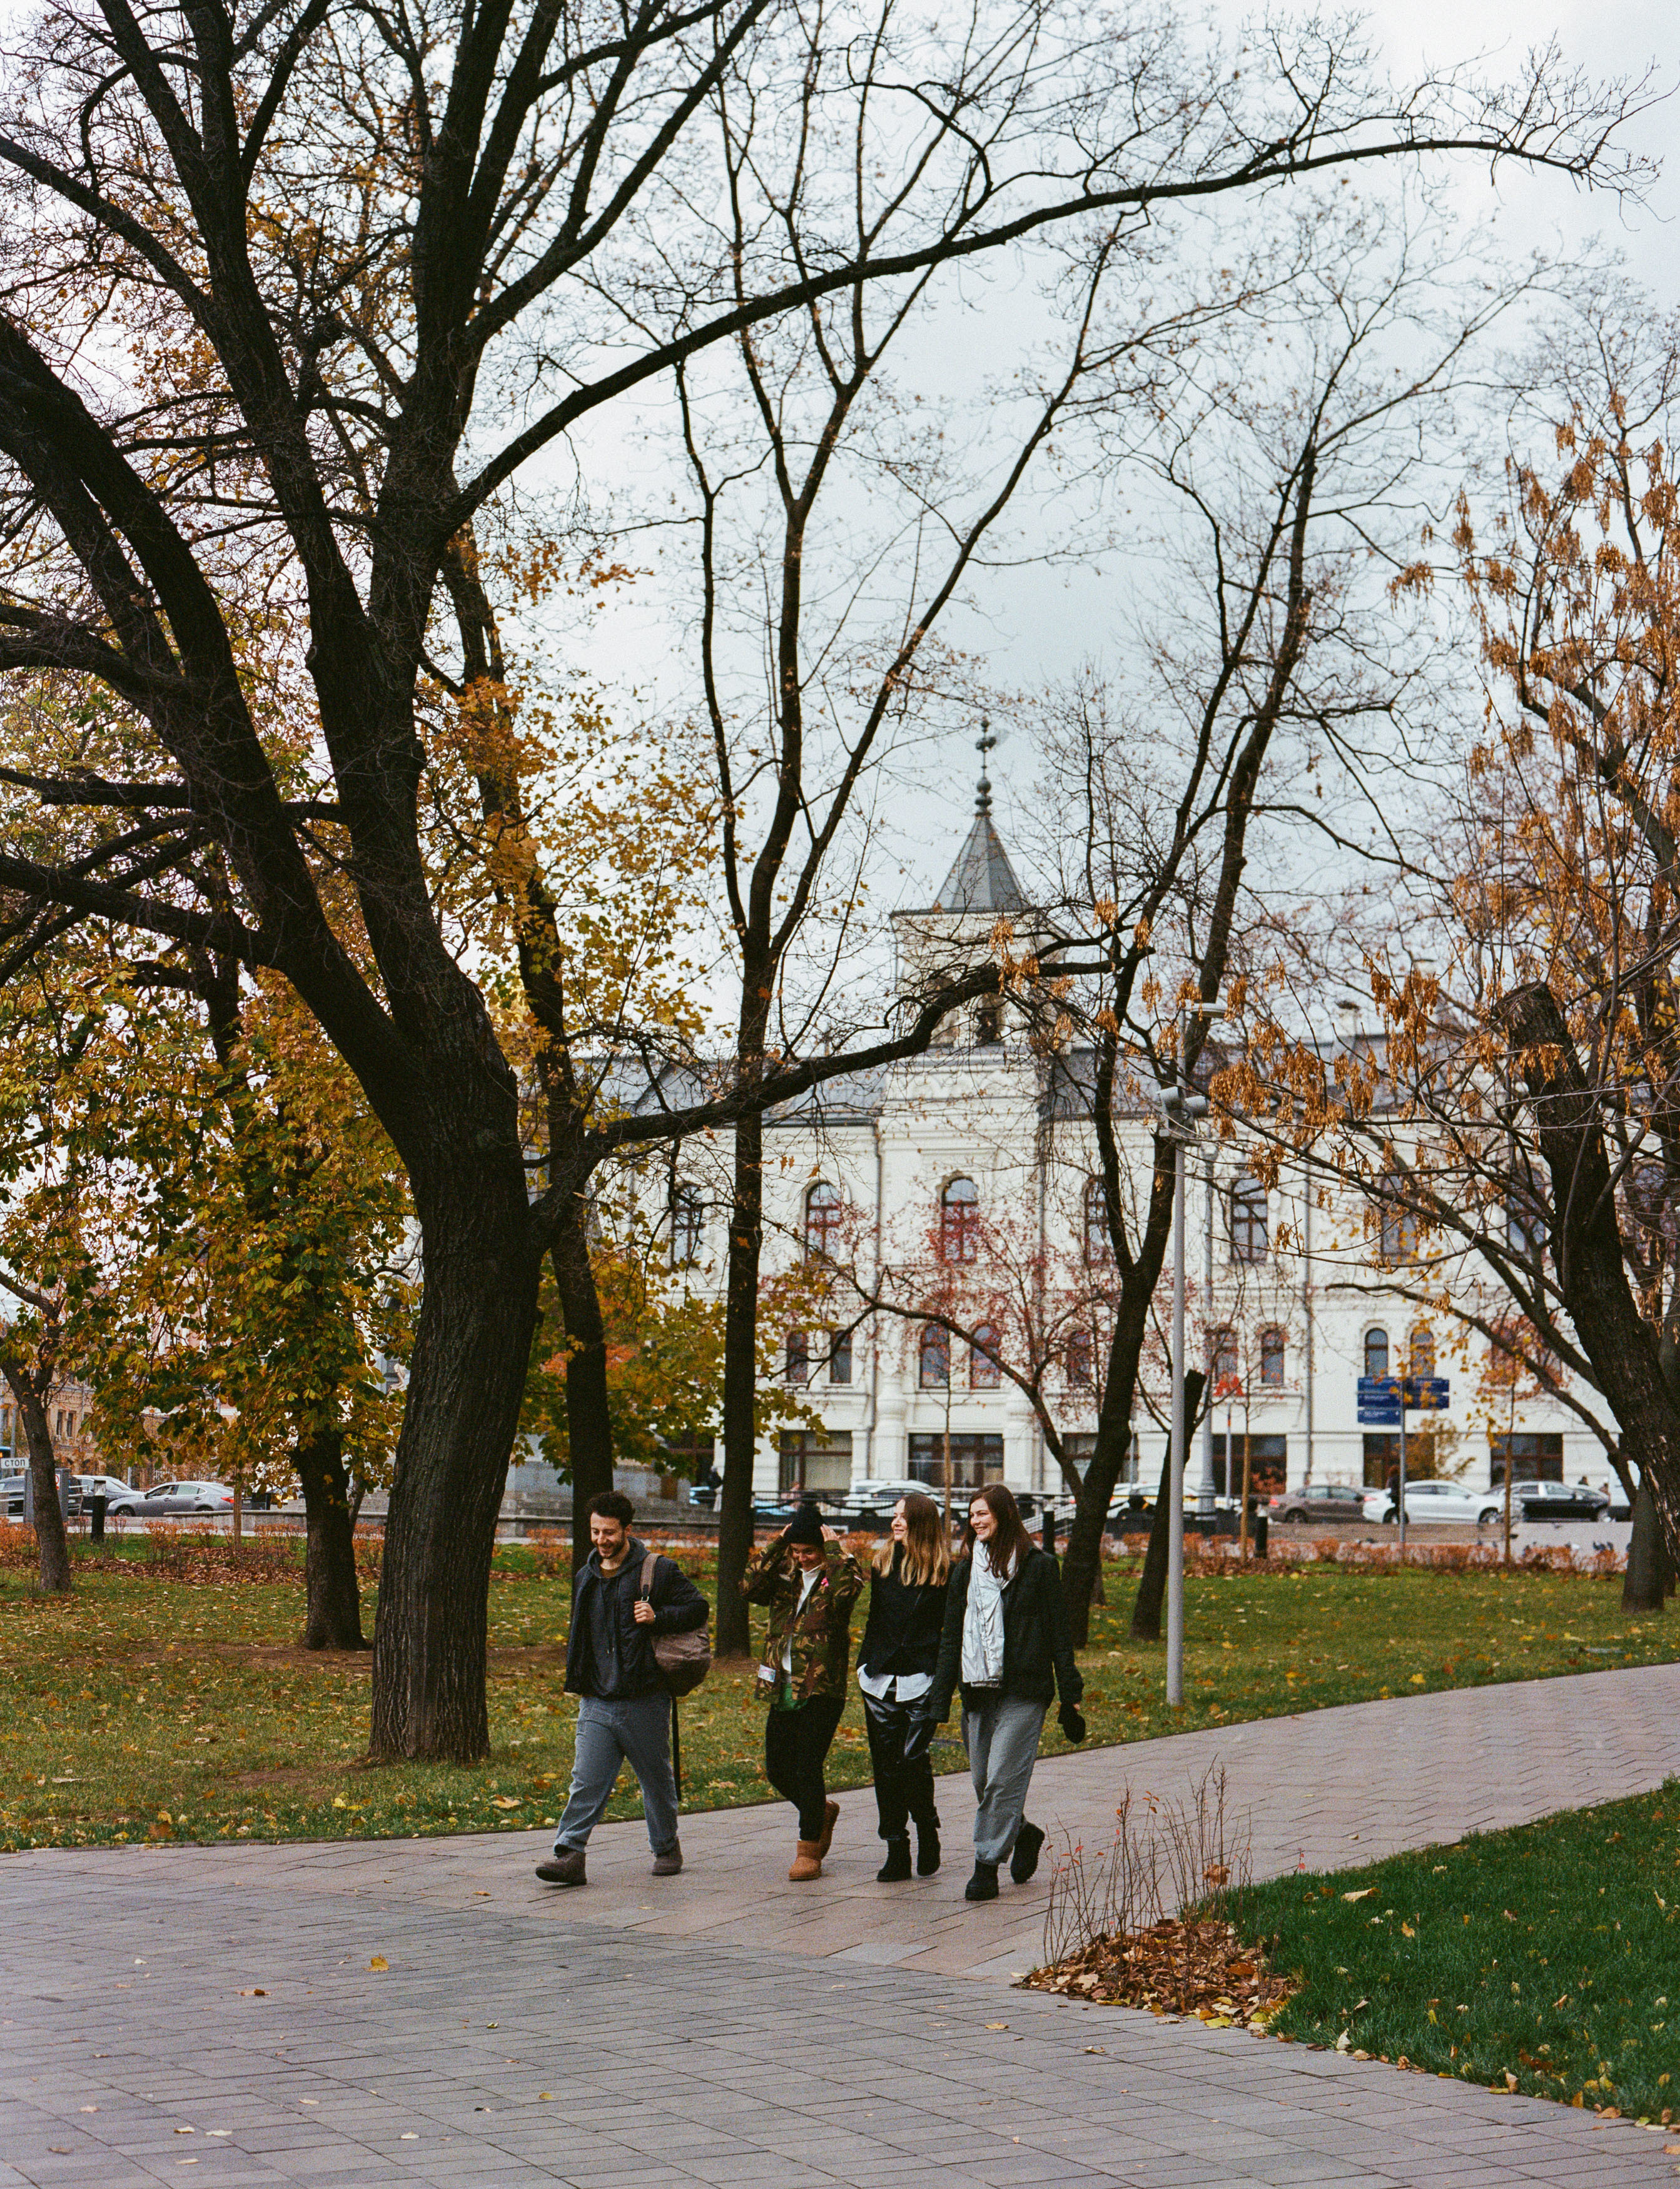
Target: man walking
{"points": [[626, 1707]]}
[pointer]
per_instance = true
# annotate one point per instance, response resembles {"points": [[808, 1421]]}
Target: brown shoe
{"points": [[831, 1818], [808, 1863], [564, 1867], [668, 1863]]}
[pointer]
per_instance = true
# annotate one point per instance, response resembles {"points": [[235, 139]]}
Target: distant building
{"points": [[980, 1154]]}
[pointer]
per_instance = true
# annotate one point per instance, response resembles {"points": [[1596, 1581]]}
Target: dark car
{"points": [[1558, 1501], [1320, 1501]]}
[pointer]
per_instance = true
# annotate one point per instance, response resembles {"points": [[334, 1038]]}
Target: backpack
{"points": [[683, 1660]]}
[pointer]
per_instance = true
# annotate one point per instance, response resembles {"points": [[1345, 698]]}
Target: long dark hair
{"points": [[1011, 1541]]}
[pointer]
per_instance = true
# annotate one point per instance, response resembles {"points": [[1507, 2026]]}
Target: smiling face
{"points": [[806, 1556], [983, 1520], [900, 1526], [610, 1536]]}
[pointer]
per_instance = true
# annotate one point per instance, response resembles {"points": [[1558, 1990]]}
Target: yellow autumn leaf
{"points": [[1364, 1893], [379, 1961]]}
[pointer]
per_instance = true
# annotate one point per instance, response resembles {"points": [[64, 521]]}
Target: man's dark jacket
{"points": [[678, 1609], [1037, 1640]]}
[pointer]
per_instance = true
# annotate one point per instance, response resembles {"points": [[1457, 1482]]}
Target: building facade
{"points": [[962, 1183]]}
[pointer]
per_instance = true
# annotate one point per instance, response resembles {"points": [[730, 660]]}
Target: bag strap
{"points": [[646, 1591]]}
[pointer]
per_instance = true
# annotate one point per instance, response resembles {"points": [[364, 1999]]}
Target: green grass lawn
{"points": [[1544, 1959], [150, 1704]]}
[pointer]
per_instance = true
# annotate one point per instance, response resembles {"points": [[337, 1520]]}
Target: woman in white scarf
{"points": [[1007, 1639]]}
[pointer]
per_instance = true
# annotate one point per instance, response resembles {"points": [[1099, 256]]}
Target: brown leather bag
{"points": [[683, 1660]]}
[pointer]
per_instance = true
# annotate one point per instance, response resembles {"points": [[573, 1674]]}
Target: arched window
{"points": [[1376, 1352], [1099, 1246], [1079, 1361], [821, 1222], [1250, 1234], [1271, 1358], [936, 1356], [959, 1221], [1423, 1350], [984, 1373], [1225, 1355], [687, 1224], [796, 1358]]}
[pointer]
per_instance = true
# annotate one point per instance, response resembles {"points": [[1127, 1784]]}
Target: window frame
{"points": [[1248, 1220], [959, 1220], [825, 1208], [1274, 1352], [933, 1342], [985, 1369], [1376, 1330], [796, 1358]]}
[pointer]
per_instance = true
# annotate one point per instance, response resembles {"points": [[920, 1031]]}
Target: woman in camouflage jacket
{"points": [[811, 1585]]}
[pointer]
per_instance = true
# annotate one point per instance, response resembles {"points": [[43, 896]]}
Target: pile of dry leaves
{"points": [[1175, 1966]]}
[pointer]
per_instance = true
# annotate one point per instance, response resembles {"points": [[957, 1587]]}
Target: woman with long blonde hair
{"points": [[895, 1670]]}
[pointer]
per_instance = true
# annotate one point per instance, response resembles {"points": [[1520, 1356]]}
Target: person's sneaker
{"points": [[896, 1867], [1028, 1843], [668, 1863], [983, 1885], [564, 1867]]}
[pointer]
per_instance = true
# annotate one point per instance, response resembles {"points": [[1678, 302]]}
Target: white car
{"points": [[167, 1498], [875, 1499], [1451, 1503]]}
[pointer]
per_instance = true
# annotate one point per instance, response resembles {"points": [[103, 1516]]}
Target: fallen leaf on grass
{"points": [[1364, 1893], [506, 1801]]}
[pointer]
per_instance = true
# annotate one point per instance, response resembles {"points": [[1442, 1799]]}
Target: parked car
{"points": [[1320, 1501], [166, 1498], [13, 1488], [108, 1487], [866, 1502], [1554, 1501], [1451, 1503]]}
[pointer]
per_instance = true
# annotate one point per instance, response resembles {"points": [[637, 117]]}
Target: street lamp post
{"points": [[1183, 1108]]}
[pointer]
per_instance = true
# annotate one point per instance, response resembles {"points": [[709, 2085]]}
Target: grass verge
{"points": [[166, 1698], [1543, 1959]]}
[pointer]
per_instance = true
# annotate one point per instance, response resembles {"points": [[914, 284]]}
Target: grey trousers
{"points": [[1001, 1739], [637, 1731]]}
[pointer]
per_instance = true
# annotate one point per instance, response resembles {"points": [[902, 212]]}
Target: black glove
{"points": [[918, 1735], [1071, 1723]]}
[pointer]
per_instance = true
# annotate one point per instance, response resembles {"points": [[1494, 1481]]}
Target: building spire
{"points": [[983, 744]]}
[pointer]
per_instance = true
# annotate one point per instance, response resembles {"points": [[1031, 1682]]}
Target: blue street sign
{"points": [[1425, 1393], [1380, 1417]]}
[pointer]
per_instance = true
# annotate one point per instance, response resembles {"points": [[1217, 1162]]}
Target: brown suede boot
{"points": [[808, 1863], [831, 1818]]}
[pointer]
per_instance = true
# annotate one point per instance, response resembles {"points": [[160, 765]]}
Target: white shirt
{"points": [[812, 1575], [899, 1686]]}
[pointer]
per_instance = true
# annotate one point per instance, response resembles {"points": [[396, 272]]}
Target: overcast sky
{"points": [[1036, 625]]}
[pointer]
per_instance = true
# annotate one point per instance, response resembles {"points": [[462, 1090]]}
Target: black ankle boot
{"points": [[927, 1845], [896, 1867], [983, 1885], [1028, 1843]]}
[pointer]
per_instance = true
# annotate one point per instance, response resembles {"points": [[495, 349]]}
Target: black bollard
{"points": [[96, 1519]]}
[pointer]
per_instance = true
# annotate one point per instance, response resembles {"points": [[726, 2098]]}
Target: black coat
{"points": [[906, 1620], [1039, 1658], [678, 1607]]}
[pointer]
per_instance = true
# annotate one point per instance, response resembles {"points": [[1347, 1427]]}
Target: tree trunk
{"points": [[1586, 1246], [467, 1380], [740, 1382], [1644, 1586], [332, 1614], [1152, 1581], [49, 1520], [589, 1420]]}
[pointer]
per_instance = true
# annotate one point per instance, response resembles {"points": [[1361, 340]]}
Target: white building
{"points": [[966, 1172]]}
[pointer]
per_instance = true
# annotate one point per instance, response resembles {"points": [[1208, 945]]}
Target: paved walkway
{"points": [[213, 2016]]}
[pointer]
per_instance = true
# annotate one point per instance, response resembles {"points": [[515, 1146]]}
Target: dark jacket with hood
{"points": [[1038, 1657], [678, 1609]]}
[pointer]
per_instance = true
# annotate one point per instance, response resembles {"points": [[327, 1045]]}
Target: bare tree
{"points": [[373, 265]]}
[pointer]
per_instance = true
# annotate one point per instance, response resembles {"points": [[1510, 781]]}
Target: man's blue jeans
{"points": [[636, 1730]]}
